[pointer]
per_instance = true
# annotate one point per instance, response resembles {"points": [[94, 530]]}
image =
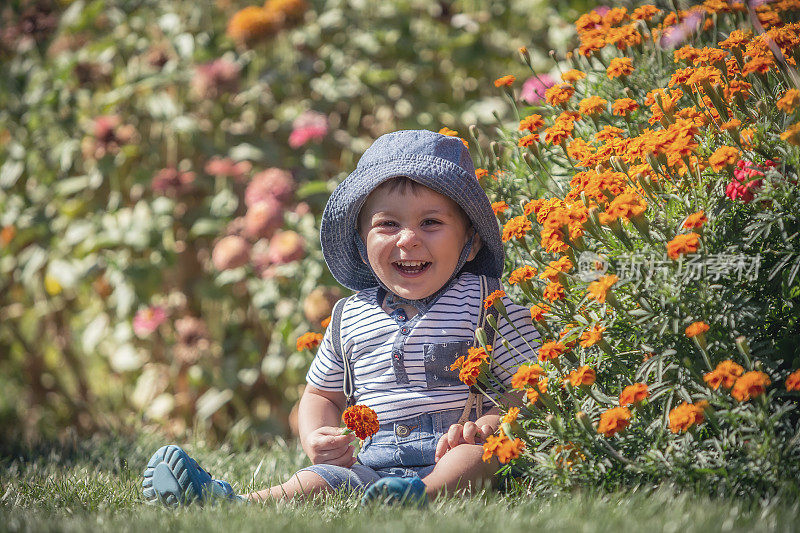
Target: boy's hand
{"points": [[468, 433], [327, 445]]}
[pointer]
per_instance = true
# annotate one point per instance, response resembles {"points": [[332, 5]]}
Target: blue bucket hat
{"points": [[436, 161]]}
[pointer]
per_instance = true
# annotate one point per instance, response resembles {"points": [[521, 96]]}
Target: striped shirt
{"points": [[402, 368]]}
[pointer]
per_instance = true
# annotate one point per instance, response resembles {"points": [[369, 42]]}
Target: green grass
{"points": [[95, 486]]}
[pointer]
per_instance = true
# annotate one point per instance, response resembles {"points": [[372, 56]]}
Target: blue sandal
{"points": [[397, 491], [173, 478]]}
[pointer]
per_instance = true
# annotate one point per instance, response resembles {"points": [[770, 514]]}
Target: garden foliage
{"points": [[650, 212], [162, 165]]}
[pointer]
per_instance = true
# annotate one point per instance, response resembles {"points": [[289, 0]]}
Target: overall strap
{"points": [[493, 284], [336, 337], [488, 286]]}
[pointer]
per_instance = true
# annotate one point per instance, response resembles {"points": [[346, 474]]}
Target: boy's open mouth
{"points": [[411, 268]]}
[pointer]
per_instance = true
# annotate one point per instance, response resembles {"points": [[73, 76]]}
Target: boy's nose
{"points": [[407, 238]]}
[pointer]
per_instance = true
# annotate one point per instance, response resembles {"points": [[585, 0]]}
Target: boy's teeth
{"points": [[411, 266]]}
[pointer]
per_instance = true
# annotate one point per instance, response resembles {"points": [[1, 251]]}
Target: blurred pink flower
{"points": [[108, 136], [147, 320], [171, 181], [675, 35], [230, 252], [534, 87], [228, 168], [263, 218], [285, 247], [271, 183], [215, 78], [310, 126]]}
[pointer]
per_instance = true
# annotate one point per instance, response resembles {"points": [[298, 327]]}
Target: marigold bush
{"points": [[667, 177]]}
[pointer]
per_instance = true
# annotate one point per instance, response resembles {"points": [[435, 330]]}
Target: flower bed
{"points": [[650, 214]]}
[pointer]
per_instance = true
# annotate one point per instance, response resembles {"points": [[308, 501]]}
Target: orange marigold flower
{"points": [[792, 134], [696, 328], [760, 64], [623, 106], [554, 291], [793, 381], [481, 173], [361, 420], [695, 220], [532, 395], [523, 273], [619, 66], [724, 156], [559, 94], [505, 81], [585, 376], [516, 228], [732, 124], [309, 341], [592, 105], [599, 289], [573, 75], [471, 366], [592, 336], [527, 140], [633, 394], [253, 23], [504, 448], [542, 386], [686, 415], [683, 244], [551, 350], [499, 207], [452, 133], [736, 39], [614, 420], [608, 133], [789, 100], [532, 123], [489, 301], [526, 376], [724, 374], [325, 322], [559, 132], [554, 268], [646, 12], [511, 416], [750, 385], [538, 311]]}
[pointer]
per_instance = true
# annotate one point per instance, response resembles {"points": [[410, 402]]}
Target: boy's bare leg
{"points": [[461, 468], [302, 484]]}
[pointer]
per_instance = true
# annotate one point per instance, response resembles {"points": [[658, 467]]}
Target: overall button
{"points": [[404, 330], [401, 430]]}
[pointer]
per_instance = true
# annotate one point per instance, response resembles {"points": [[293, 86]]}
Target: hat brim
{"points": [[338, 229]]}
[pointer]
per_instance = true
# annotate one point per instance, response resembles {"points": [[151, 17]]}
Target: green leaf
{"points": [[206, 227]]}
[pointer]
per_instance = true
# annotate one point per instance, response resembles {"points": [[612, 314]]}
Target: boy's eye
{"points": [[386, 223], [430, 222]]}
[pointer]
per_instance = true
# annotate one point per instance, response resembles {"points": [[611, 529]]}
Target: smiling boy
{"points": [[413, 232]]}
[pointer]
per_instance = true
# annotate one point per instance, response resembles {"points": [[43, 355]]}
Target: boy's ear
{"points": [[476, 247]]}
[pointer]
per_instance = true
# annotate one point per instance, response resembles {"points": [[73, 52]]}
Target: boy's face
{"points": [[414, 237]]}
